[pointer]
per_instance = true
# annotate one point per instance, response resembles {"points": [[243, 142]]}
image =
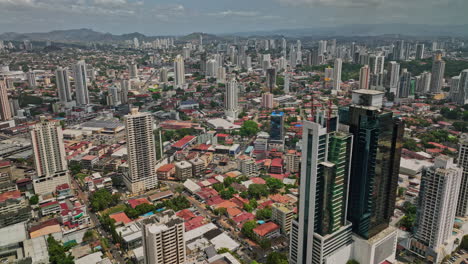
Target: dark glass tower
{"points": [[277, 126], [375, 162]]}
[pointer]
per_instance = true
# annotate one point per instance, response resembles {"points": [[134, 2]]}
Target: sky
{"points": [[178, 17]]}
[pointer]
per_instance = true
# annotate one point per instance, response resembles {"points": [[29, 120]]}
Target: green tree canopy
{"points": [[249, 128]]}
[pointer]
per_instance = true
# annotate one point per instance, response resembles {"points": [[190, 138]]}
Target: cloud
{"points": [[235, 13], [334, 3], [110, 2]]}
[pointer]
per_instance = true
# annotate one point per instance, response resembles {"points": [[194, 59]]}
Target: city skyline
{"points": [[181, 17]]}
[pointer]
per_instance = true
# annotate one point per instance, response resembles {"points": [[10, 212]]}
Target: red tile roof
{"points": [[135, 202], [120, 218], [10, 195], [182, 142], [266, 228], [185, 214], [166, 168]]}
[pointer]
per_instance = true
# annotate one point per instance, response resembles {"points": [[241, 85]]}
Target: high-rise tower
{"points": [[179, 71], [321, 229], [375, 162], [438, 70], [81, 84], [231, 101], [141, 152], [63, 85], [436, 208], [49, 156]]}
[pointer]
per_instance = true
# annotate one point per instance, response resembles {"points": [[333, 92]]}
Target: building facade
{"points": [[436, 208], [49, 156], [163, 239], [81, 84], [321, 230], [141, 152]]}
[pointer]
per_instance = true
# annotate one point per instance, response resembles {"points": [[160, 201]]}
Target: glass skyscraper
{"points": [[375, 162], [321, 229]]}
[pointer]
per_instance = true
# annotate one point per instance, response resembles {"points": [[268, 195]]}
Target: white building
{"points": [[337, 74], [394, 79], [141, 152], [221, 75], [183, 170], [49, 156], [179, 71], [364, 77], [5, 110], [63, 85], [81, 84], [322, 231], [231, 103], [436, 208], [31, 77], [133, 70], [163, 239], [462, 205]]}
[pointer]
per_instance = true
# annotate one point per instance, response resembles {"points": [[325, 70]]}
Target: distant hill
{"points": [[368, 30], [89, 35], [74, 35]]}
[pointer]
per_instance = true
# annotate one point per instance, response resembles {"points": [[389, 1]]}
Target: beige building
{"points": [[183, 170], [283, 216], [49, 156], [5, 111], [141, 152], [198, 165], [163, 239], [247, 165], [293, 160]]}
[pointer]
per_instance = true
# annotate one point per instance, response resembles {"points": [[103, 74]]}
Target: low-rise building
{"points": [[197, 167], [283, 216], [183, 170], [268, 230], [13, 208]]}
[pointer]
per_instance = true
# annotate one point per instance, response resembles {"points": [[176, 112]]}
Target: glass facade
{"points": [[277, 126], [375, 167]]}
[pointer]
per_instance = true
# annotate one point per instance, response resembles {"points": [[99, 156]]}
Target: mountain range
{"points": [[89, 35]]}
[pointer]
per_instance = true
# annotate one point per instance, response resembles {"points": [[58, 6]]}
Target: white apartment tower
{"points": [[31, 77], [438, 70], [133, 70], [394, 76], [81, 84], [231, 104], [321, 233], [364, 77], [179, 71], [141, 152], [337, 74], [436, 209], [462, 205], [49, 156], [5, 110], [163, 239], [63, 85]]}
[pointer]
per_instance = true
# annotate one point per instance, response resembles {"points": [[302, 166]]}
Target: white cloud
{"points": [[235, 13], [110, 2]]}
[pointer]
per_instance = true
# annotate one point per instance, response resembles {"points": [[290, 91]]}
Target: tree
{"points": [[145, 208], [263, 214], [156, 96], [131, 212], [247, 229], [33, 200], [352, 261], [274, 184], [89, 235], [276, 258], [464, 243], [57, 252], [102, 199], [249, 128], [258, 190], [75, 168]]}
